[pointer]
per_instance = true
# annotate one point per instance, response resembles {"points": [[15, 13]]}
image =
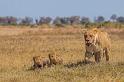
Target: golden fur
{"points": [[55, 59], [40, 62], [97, 44]]}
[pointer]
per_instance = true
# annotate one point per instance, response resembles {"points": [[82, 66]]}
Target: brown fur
{"points": [[55, 59], [52, 59], [97, 44], [40, 62]]}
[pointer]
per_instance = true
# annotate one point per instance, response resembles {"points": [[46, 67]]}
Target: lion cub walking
{"points": [[41, 62]]}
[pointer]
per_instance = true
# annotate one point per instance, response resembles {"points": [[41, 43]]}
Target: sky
{"points": [[53, 8]]}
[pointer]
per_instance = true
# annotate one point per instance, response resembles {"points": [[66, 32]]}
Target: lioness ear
{"points": [[95, 30], [85, 31]]}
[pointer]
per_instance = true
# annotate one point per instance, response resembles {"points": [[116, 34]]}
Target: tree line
{"points": [[58, 20]]}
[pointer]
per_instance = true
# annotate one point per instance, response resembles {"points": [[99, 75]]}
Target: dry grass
{"points": [[19, 45]]}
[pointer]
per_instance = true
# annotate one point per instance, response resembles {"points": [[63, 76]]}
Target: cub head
{"points": [[55, 59], [52, 58]]}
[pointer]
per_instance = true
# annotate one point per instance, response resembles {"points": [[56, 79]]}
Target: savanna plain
{"points": [[19, 45]]}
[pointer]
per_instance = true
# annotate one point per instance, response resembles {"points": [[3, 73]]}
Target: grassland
{"points": [[19, 45]]}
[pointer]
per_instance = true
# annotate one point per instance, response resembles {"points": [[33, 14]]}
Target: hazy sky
{"points": [[36, 8]]}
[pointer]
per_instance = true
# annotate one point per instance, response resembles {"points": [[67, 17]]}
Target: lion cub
{"points": [[40, 62], [55, 59], [52, 59]]}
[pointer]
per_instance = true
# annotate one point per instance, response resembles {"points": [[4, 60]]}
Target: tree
{"points": [[8, 20], [65, 20], [113, 17], [120, 19], [36, 21], [26, 21], [48, 20], [62, 20], [57, 21], [85, 20], [44, 20], [75, 19], [3, 20], [100, 19], [12, 20]]}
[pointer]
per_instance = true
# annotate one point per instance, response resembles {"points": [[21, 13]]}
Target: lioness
{"points": [[97, 44]]}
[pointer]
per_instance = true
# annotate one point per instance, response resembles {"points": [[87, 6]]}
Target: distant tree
{"points": [[48, 20], [3, 20], [100, 19], [44, 20], [57, 21], [63, 20], [75, 19], [8, 20], [85, 20], [27, 21], [120, 19], [113, 17], [36, 21], [12, 20], [67, 20]]}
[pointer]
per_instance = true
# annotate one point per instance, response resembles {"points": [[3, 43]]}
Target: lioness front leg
{"points": [[107, 54], [97, 56], [88, 56]]}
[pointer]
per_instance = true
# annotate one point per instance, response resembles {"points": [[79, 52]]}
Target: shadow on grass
{"points": [[82, 63], [69, 65], [79, 63]]}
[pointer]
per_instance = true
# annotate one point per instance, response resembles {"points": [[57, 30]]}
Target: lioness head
{"points": [[90, 37]]}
